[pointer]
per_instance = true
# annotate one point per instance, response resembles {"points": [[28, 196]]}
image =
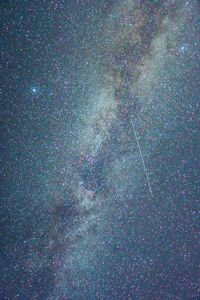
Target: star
{"points": [[34, 90], [183, 48]]}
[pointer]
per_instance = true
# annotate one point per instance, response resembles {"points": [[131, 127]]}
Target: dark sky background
{"points": [[78, 220]]}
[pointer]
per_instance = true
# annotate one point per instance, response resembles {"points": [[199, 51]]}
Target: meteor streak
{"points": [[142, 159]]}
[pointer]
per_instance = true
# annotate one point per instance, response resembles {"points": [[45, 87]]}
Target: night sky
{"points": [[100, 150]]}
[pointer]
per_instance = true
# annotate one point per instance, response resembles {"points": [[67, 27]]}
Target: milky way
{"points": [[95, 207]]}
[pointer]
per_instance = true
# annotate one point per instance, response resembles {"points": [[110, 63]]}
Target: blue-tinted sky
{"points": [[100, 167]]}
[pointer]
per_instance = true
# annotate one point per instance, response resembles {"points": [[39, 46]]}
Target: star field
{"points": [[99, 160]]}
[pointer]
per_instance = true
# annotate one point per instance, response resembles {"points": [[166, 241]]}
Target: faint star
{"points": [[183, 49]]}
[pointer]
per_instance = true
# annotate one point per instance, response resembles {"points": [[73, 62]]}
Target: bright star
{"points": [[34, 90]]}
